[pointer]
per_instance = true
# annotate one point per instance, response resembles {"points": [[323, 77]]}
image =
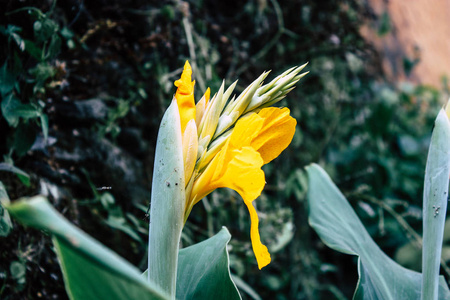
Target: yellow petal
{"points": [[237, 169], [261, 253], [243, 173], [185, 96], [190, 146], [276, 133], [246, 130]]}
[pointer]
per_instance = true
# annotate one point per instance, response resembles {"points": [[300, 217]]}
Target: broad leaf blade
{"points": [[167, 203], [91, 271], [204, 272], [435, 195], [339, 227]]}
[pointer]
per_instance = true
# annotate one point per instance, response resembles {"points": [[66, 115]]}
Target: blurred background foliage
{"points": [[84, 85]]}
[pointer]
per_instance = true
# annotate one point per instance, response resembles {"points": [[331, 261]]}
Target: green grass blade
{"points": [[435, 195]]}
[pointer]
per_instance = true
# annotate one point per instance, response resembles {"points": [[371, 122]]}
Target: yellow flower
{"points": [[235, 157], [256, 140]]}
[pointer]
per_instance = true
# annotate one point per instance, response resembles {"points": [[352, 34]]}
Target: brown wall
{"points": [[419, 29]]}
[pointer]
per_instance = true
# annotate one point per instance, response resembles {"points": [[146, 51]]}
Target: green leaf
{"points": [[54, 47], [435, 195], [7, 80], [44, 29], [13, 109], [18, 272], [26, 111], [5, 221], [24, 177], [33, 50], [24, 138], [243, 286], [42, 71], [9, 104], [19, 41], [167, 203], [67, 33], [339, 227], [204, 271], [11, 31], [91, 271], [44, 125], [120, 223]]}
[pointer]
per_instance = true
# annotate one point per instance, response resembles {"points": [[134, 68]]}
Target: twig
{"points": [[188, 30]]}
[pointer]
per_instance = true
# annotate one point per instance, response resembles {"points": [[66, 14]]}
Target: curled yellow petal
{"points": [[261, 253], [185, 96], [276, 133], [190, 146]]}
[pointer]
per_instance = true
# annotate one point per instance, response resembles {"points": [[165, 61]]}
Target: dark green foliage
{"points": [[25, 75]]}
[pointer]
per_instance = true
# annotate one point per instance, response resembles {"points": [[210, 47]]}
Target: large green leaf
{"points": [[91, 271], [167, 203], [339, 227], [204, 271], [435, 195]]}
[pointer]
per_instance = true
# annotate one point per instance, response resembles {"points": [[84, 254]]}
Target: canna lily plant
{"points": [[221, 141]]}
